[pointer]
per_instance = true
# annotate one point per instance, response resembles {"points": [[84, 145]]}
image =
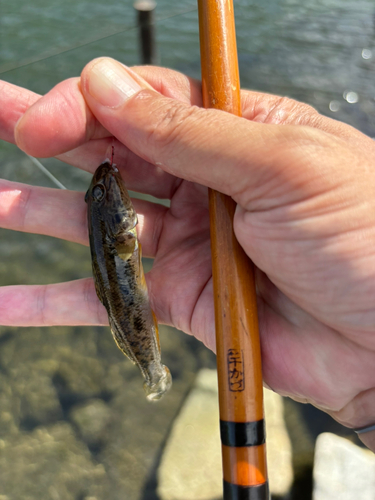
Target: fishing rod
{"points": [[242, 425]]}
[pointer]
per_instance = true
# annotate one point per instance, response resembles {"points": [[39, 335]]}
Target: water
{"points": [[58, 383]]}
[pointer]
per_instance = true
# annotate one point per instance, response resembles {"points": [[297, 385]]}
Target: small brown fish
{"points": [[119, 279]]}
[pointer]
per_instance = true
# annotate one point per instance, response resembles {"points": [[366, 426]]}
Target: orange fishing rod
{"points": [[242, 426]]}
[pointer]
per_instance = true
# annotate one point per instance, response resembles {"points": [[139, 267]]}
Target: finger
{"points": [[272, 109], [172, 84], [71, 303], [58, 122], [359, 412], [312, 361], [256, 106], [14, 101], [61, 120], [33, 209], [203, 146], [61, 124]]}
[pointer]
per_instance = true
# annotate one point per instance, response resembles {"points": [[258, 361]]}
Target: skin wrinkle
{"points": [[93, 302], [83, 224], [24, 209], [41, 304], [175, 186], [272, 339], [94, 128], [68, 103], [159, 312], [191, 321], [349, 348], [158, 227], [308, 116], [165, 131], [14, 113], [172, 83], [267, 291], [264, 178], [277, 114], [355, 413]]}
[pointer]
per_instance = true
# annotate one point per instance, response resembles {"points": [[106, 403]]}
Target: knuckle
{"points": [[41, 301], [173, 119], [288, 111]]}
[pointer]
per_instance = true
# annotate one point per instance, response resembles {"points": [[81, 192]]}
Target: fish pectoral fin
{"points": [[142, 279], [121, 343], [125, 245]]}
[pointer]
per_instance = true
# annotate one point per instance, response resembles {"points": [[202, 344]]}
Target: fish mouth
{"points": [[105, 169]]}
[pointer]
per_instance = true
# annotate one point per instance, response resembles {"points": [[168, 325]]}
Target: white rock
{"points": [[342, 470], [191, 465], [191, 469], [279, 447]]}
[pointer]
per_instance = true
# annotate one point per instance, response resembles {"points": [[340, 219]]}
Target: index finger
{"points": [[61, 121]]}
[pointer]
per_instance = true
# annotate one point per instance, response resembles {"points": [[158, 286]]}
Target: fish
{"points": [[119, 278]]}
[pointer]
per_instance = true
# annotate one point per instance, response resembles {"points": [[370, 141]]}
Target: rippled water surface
{"points": [[74, 423]]}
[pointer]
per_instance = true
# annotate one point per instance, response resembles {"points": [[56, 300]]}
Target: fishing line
{"points": [[7, 67], [36, 162], [46, 172]]}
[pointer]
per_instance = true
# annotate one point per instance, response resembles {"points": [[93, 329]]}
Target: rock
{"points": [[92, 419], [27, 399], [9, 410], [49, 463], [38, 400], [342, 470], [79, 376], [138, 433], [191, 469], [191, 464], [279, 447]]}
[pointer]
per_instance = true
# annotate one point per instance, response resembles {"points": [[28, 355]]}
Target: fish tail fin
{"points": [[156, 390]]}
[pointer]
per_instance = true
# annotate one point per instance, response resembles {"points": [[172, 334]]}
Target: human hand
{"points": [[304, 188]]}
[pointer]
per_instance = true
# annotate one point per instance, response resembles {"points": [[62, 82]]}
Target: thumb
{"points": [[210, 147]]}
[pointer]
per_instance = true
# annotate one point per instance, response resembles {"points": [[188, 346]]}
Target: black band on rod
{"points": [[242, 433], [236, 492]]}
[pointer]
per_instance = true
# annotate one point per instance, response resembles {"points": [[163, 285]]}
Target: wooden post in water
{"points": [[145, 19], [237, 337]]}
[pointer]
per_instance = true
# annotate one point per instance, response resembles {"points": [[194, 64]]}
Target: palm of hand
{"points": [[180, 282], [311, 350]]}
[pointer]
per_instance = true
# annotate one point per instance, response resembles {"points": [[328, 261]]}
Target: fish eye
{"points": [[98, 192]]}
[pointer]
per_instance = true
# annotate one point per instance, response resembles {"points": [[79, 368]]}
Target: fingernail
{"points": [[109, 83]]}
